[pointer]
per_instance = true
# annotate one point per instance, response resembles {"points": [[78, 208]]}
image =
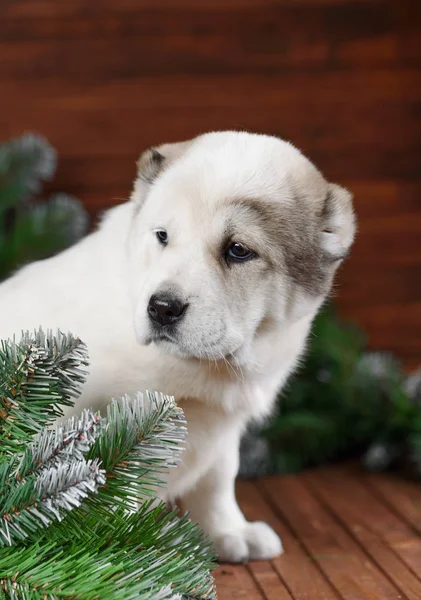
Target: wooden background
{"points": [[103, 79]]}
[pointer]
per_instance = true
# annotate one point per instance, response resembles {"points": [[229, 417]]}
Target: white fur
{"points": [[99, 290]]}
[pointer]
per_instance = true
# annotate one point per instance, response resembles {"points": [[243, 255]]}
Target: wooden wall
{"points": [[103, 79]]}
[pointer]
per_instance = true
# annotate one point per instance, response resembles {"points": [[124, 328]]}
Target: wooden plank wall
{"points": [[103, 79]]}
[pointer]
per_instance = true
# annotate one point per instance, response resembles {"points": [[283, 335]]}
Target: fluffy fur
{"points": [[245, 323]]}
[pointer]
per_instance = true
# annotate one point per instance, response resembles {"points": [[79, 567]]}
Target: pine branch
{"points": [[103, 568], [70, 571], [63, 217], [42, 230], [144, 438], [37, 376], [68, 442], [35, 502], [185, 553], [153, 525], [24, 163], [136, 445], [51, 522], [21, 482]]}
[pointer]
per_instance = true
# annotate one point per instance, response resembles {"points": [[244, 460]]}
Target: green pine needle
{"points": [[38, 375], [72, 536], [69, 570], [67, 442], [179, 544], [24, 163], [144, 438], [42, 230], [29, 505]]}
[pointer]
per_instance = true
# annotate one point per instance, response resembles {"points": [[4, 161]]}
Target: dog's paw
{"points": [[255, 541]]}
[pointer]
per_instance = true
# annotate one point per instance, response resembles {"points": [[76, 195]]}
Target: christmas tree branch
{"points": [[152, 526], [36, 501], [137, 444], [68, 442], [144, 438], [41, 230], [105, 564], [24, 163], [71, 571], [37, 376], [65, 528]]}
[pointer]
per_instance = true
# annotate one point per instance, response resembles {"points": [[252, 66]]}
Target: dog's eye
{"points": [[162, 236], [239, 253]]}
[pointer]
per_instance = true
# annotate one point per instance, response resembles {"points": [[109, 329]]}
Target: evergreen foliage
{"points": [[31, 231], [69, 527]]}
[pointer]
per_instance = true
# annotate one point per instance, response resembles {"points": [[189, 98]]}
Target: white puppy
{"points": [[203, 286]]}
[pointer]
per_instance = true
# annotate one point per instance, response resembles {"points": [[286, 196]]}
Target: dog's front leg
{"points": [[213, 505]]}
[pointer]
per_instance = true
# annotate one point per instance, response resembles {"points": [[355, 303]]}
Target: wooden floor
{"points": [[346, 535]]}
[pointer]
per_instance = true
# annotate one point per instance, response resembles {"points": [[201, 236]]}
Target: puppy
{"points": [[203, 286]]}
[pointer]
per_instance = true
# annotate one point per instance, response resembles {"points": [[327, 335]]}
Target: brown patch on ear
{"points": [[152, 163], [338, 223], [321, 241], [149, 165]]}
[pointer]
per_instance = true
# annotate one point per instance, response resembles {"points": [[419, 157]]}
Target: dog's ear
{"points": [[152, 163], [338, 222]]}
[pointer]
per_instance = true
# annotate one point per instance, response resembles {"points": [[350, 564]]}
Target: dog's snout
{"points": [[165, 309]]}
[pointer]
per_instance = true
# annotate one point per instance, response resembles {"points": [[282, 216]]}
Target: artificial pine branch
{"points": [[69, 570], [64, 521], [38, 375], [33, 231], [33, 503], [183, 556], [138, 442], [128, 449], [26, 499], [24, 163], [42, 230], [67, 442]]}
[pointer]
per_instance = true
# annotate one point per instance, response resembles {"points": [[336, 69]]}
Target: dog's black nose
{"points": [[165, 309]]}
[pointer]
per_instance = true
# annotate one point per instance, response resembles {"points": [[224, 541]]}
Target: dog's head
{"points": [[233, 232]]}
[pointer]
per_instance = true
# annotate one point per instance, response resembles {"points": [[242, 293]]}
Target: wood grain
{"points": [[340, 558], [403, 497], [346, 534], [296, 571], [391, 544]]}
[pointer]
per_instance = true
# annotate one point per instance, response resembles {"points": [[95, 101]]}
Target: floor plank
{"points": [[268, 581], [346, 534], [235, 581], [341, 559], [404, 497], [386, 539], [298, 573]]}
